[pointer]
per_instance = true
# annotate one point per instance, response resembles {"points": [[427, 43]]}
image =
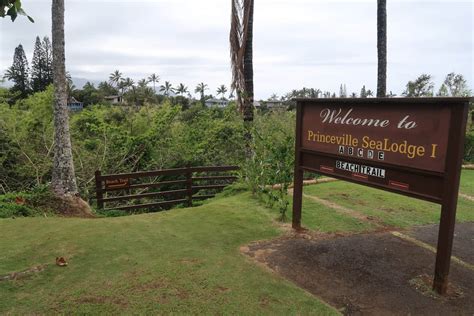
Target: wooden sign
{"points": [[411, 146], [117, 183]]}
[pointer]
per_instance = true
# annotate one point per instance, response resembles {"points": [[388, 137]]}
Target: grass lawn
{"points": [[467, 182], [392, 209], [185, 261]]}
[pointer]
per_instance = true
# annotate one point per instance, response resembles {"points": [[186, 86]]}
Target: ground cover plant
{"points": [[184, 261]]}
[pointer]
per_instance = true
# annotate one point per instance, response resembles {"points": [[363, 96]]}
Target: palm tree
{"points": [[382, 48], [154, 78], [241, 41], [166, 88], [142, 83], [201, 88], [115, 78], [181, 89], [128, 83], [222, 90]]}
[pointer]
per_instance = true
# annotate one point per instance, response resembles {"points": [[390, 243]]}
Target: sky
{"points": [[297, 43]]}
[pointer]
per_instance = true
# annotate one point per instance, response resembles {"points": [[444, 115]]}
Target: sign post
{"points": [[410, 146]]}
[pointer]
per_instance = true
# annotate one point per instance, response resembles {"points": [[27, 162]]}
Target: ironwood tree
{"points": [[241, 53], [41, 65], [19, 73], [420, 87], [382, 48]]}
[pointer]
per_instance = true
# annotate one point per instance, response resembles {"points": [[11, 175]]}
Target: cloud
{"points": [[297, 43]]}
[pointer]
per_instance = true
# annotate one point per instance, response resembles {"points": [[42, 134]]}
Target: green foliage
{"points": [[25, 204], [114, 139], [270, 170], [12, 8], [469, 147], [41, 65], [112, 213], [19, 73], [421, 87]]}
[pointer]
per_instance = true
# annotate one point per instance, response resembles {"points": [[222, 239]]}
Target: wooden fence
{"points": [[167, 187]]}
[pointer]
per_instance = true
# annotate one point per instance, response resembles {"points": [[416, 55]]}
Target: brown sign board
{"points": [[411, 146], [117, 183]]}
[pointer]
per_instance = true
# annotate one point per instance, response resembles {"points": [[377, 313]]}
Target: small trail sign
{"points": [[410, 146]]}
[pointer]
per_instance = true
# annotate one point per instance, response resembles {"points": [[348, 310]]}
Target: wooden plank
{"points": [[154, 173], [214, 168], [215, 178], [138, 196], [148, 205], [150, 185]]}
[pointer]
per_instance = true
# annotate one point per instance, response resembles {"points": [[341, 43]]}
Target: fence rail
{"points": [[182, 190]]}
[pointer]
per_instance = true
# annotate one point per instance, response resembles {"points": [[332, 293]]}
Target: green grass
{"points": [[185, 261], [392, 209], [467, 182], [316, 216]]}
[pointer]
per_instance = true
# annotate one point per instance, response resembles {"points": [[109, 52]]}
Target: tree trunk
{"points": [[382, 48], [248, 67], [63, 178]]}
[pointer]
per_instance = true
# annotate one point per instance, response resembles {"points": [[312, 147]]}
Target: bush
{"points": [[469, 147], [23, 204], [272, 159]]}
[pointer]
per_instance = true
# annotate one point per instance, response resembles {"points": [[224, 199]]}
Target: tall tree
{"points": [[241, 53], [456, 85], [363, 92], [48, 59], [201, 89], [63, 178], [19, 72], [181, 89], [115, 78], [382, 48], [127, 83], [154, 78], [222, 89], [421, 87], [166, 88], [39, 67]]}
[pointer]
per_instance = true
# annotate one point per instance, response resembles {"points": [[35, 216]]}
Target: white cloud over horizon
{"points": [[318, 44]]}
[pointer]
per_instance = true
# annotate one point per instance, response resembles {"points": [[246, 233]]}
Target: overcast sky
{"points": [[311, 43]]}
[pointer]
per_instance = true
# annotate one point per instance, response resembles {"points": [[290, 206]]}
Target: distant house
{"points": [[114, 99], [74, 105], [274, 104], [217, 102]]}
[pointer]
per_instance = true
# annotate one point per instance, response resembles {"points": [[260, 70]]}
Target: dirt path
{"points": [[375, 273], [467, 197], [347, 211], [367, 274]]}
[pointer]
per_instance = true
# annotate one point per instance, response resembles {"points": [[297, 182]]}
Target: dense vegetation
{"points": [[122, 138]]}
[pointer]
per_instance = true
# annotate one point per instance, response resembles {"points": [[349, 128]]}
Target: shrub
{"points": [[22, 204], [272, 159], [469, 147]]}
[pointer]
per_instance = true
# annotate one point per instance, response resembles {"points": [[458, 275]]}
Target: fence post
{"points": [[189, 185], [98, 189]]}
